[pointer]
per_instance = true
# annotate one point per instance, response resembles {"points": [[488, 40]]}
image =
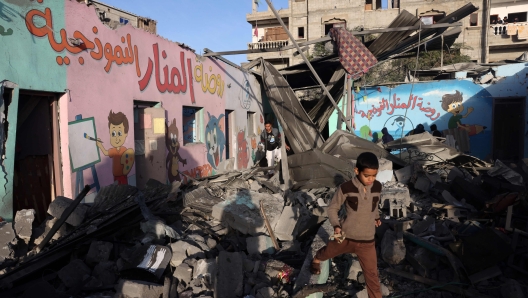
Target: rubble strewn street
{"points": [[453, 228]]}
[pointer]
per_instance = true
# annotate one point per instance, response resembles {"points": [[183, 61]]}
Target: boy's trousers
{"points": [[366, 252]]}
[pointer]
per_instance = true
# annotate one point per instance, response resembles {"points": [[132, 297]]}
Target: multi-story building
{"points": [[309, 20], [116, 17]]}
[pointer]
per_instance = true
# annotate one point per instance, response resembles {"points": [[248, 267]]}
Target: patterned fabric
{"points": [[353, 55]]}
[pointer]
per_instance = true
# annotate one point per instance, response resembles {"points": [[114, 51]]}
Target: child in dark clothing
{"points": [[356, 233]]}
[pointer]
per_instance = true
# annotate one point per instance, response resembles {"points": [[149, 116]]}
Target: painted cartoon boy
{"points": [[122, 158], [452, 103]]}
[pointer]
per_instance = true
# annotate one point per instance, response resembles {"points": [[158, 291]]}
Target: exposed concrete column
{"points": [[254, 6], [484, 55]]}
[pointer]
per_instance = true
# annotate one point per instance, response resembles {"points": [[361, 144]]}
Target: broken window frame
{"points": [[198, 127]]}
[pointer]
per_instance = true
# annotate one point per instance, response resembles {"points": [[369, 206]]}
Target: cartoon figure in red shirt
{"points": [[122, 158]]}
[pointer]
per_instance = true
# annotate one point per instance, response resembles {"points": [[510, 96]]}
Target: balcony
{"points": [[263, 45], [499, 35]]}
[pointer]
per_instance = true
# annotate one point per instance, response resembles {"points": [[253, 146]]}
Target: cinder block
{"points": [[24, 223], [57, 207], [138, 289]]}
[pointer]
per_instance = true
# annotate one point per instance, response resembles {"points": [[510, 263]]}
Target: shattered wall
{"points": [[455, 106]]}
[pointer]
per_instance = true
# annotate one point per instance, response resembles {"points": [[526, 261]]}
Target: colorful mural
{"points": [[457, 104], [243, 150], [173, 155], [122, 158], [215, 140]]}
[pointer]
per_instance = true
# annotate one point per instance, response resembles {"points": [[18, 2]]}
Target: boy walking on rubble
{"points": [[355, 234]]}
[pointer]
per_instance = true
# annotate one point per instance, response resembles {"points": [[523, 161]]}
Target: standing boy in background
{"points": [[356, 233]]}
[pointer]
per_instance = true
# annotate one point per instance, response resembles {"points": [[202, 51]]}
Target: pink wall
{"points": [[99, 79]]}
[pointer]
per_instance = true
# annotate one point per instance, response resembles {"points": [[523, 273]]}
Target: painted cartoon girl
{"points": [[452, 103]]}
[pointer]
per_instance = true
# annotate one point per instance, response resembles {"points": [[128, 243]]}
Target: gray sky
{"points": [[217, 25]]}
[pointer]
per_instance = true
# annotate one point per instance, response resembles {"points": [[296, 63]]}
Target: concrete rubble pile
{"points": [[452, 227]]}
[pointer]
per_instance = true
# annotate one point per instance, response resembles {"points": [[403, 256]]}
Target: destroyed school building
{"points": [[185, 211], [308, 21]]}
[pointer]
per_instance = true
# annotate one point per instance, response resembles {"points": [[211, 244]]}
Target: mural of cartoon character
{"points": [[215, 140], [365, 132], [122, 158], [400, 124], [452, 103], [243, 150], [173, 157]]}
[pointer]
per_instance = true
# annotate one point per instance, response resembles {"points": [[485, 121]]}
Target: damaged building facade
{"points": [[159, 110]]}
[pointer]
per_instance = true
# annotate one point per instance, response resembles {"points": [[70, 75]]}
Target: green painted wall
{"points": [[29, 62]]}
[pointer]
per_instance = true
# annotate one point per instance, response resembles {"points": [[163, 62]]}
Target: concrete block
{"points": [[241, 211], [183, 273], [305, 277], [361, 294], [137, 289], [392, 248], [205, 267], [355, 270], [24, 224], [384, 290], [396, 197], [106, 272], [181, 250], [57, 207], [286, 223], [385, 172], [403, 175], [99, 252], [7, 240], [230, 275], [74, 273], [260, 245]]}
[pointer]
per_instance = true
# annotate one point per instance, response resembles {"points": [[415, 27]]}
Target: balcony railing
{"points": [[267, 44], [521, 30]]}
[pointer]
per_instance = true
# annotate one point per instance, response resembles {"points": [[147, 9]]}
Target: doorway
{"points": [[149, 142], [37, 176], [508, 128], [229, 133]]}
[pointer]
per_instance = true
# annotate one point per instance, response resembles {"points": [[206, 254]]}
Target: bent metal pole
{"points": [[309, 65]]}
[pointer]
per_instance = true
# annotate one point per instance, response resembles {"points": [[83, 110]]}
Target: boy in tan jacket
{"points": [[355, 234]]}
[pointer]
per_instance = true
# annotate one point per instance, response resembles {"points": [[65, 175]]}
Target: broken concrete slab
{"points": [[355, 270], [230, 275], [305, 277], [99, 252], [57, 207], [137, 289], [24, 223], [422, 183], [385, 172], [392, 248], [181, 250], [241, 211], [205, 267], [350, 146], [286, 223], [500, 169], [74, 273], [260, 245], [404, 174], [7, 240], [183, 273]]}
